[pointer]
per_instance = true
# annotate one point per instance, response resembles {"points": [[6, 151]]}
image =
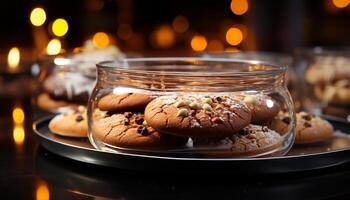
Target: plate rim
{"points": [[37, 122]]}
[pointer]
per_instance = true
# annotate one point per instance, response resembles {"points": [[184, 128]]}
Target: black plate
{"points": [[300, 158]]}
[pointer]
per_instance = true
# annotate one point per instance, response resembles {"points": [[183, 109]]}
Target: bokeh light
{"points": [[215, 45], [234, 36], [42, 191], [60, 27], [13, 57], [163, 36], [18, 134], [239, 7], [18, 115], [38, 16], [100, 40], [341, 3], [180, 24], [53, 47], [199, 43]]}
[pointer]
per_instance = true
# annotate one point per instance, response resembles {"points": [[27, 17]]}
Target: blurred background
{"points": [[182, 26]]}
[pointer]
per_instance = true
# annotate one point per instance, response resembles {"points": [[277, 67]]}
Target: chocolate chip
{"points": [[79, 118], [244, 131], [264, 129], [142, 130], [139, 120], [307, 117], [307, 125], [126, 122], [286, 120], [128, 114], [217, 120], [218, 99]]}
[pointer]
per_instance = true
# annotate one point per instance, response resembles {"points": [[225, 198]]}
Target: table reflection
{"points": [[98, 182]]}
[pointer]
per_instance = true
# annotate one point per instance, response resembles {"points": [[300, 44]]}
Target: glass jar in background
{"points": [[191, 107], [326, 75], [270, 57], [66, 80]]}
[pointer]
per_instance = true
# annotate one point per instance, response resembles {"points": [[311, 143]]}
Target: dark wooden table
{"points": [[27, 171]]}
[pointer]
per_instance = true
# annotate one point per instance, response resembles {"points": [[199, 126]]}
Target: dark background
{"points": [[271, 25]]}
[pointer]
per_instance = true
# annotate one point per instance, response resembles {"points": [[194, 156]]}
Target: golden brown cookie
{"points": [[263, 107], [124, 102], [339, 93], [129, 130], [312, 129], [45, 102], [197, 116], [251, 140], [72, 124], [281, 123]]}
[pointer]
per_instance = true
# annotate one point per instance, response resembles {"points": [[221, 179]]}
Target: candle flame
{"points": [[13, 57]]}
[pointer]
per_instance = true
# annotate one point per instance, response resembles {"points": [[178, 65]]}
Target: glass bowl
{"points": [[272, 58], [326, 73], [191, 107]]}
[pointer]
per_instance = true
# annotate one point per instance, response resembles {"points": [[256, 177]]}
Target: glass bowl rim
{"points": [[113, 65]]}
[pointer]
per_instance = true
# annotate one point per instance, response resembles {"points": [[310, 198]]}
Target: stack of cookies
{"points": [[219, 126], [71, 82], [236, 124], [330, 79], [62, 90]]}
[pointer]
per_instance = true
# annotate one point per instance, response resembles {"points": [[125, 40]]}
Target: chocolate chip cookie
{"points": [[72, 87], [197, 116], [312, 129], [251, 140], [130, 130], [73, 124], [124, 102], [263, 107], [45, 102], [281, 123]]}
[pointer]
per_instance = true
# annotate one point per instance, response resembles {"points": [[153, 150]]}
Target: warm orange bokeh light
{"points": [[53, 47], [180, 24], [13, 57], [18, 115], [42, 191], [37, 16], [164, 36], [18, 129], [100, 40], [239, 7], [18, 134], [341, 3], [60, 27], [215, 45], [234, 36], [199, 43]]}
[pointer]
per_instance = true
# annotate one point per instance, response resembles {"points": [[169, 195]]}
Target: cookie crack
{"points": [[229, 121], [238, 115], [121, 99]]}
